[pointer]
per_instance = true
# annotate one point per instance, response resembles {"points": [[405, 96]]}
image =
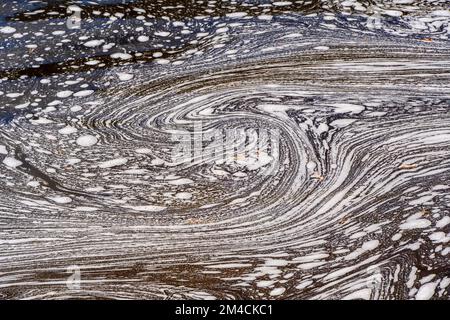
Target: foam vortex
{"points": [[354, 205]]}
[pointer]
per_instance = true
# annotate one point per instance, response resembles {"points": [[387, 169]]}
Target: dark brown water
{"points": [[224, 149]]}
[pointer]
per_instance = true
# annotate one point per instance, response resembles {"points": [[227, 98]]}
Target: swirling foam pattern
{"points": [[357, 208]]}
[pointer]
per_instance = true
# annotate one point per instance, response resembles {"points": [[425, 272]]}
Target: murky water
{"points": [[348, 197]]}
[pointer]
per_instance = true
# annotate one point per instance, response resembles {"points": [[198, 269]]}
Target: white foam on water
{"points": [[83, 93], [438, 138], [229, 265], [281, 3], [93, 43], [396, 236], [265, 17], [143, 150], [120, 55], [7, 30], [370, 245], [321, 48], [64, 94], [311, 257], [87, 141], [310, 265], [41, 120], [236, 14], [61, 200], [443, 222], [342, 123], [3, 149], [67, 130], [366, 246], [415, 224], [265, 283], [181, 181], [438, 237], [393, 13], [146, 208], [143, 38], [86, 209], [162, 33], [157, 162], [362, 294], [347, 108], [113, 163], [14, 94], [124, 76], [426, 291], [441, 13], [277, 291], [276, 262], [304, 284], [183, 195], [11, 162]]}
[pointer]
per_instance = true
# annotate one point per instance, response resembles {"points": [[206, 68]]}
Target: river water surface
{"points": [[347, 198]]}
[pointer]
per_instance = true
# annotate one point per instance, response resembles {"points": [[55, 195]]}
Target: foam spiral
{"points": [[354, 204]]}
